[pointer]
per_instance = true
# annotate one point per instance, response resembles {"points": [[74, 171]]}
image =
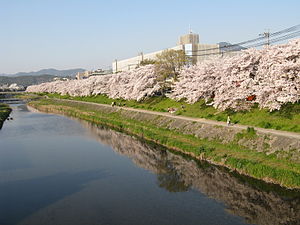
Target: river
{"points": [[60, 171]]}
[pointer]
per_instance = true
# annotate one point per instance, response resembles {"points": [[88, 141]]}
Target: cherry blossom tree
{"points": [[269, 77]]}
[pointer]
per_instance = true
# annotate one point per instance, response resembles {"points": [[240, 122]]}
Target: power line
{"points": [[286, 30], [286, 37], [273, 40], [293, 28], [277, 39]]}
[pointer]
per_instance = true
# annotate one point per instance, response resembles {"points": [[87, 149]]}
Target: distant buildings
{"points": [[86, 74], [12, 87], [189, 43], [83, 75], [60, 78]]}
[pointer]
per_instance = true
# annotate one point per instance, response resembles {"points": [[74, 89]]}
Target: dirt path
{"points": [[201, 120]]}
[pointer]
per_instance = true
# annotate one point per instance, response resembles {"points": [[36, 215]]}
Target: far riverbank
{"points": [[4, 112]]}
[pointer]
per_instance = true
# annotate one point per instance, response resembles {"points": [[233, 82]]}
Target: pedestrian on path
{"points": [[228, 121]]}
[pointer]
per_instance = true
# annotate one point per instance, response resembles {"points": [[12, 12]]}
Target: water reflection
{"points": [[255, 201], [54, 170]]}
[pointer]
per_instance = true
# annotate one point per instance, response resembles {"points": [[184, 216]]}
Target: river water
{"points": [[60, 171]]}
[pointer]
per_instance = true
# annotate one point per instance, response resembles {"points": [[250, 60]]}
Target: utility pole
{"points": [[116, 61], [142, 58], [190, 29], [267, 36]]}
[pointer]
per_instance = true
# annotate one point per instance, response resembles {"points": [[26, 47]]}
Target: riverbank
{"points": [[225, 146], [285, 119], [4, 113], [236, 191]]}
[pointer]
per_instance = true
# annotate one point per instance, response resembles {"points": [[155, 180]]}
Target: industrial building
{"points": [[189, 43], [86, 74]]}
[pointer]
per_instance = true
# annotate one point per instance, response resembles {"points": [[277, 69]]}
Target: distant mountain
{"points": [[25, 80], [54, 72]]}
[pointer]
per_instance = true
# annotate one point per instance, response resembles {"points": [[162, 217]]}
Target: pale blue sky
{"points": [[62, 34]]}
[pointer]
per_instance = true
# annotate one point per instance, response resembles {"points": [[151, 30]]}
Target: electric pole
{"points": [[142, 58], [116, 65], [267, 36]]}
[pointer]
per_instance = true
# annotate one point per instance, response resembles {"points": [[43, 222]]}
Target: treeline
{"points": [[26, 80]]}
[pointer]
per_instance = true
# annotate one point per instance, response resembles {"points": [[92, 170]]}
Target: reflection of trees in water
{"points": [[176, 173], [171, 179]]}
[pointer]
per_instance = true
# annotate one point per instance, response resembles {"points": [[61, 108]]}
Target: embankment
{"points": [[4, 113], [256, 201], [270, 157]]}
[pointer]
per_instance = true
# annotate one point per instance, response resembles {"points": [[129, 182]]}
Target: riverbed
{"points": [[59, 170]]}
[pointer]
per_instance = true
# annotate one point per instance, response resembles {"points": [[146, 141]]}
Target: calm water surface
{"points": [[59, 171]]}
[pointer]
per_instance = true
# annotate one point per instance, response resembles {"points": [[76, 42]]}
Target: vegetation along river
{"points": [[57, 170]]}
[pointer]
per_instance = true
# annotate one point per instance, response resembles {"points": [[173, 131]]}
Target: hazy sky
{"points": [[63, 34]]}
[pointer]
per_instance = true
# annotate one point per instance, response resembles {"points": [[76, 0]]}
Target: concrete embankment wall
{"points": [[262, 142]]}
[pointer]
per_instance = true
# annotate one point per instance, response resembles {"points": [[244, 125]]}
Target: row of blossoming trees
{"points": [[269, 77]]}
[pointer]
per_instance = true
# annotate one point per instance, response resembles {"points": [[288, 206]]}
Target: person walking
{"points": [[228, 121]]}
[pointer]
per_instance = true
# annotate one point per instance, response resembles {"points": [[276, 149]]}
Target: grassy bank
{"points": [[4, 113], [288, 118], [270, 168]]}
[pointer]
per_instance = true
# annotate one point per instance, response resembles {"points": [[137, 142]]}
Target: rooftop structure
{"points": [[190, 38]]}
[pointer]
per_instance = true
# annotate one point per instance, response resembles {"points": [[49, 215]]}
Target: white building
{"points": [[86, 74], [188, 43], [83, 75]]}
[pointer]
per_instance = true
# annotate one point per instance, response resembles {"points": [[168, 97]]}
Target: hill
{"points": [[26, 80], [54, 72]]}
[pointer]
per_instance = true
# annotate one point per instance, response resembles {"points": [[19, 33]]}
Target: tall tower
{"points": [[190, 38], [190, 43]]}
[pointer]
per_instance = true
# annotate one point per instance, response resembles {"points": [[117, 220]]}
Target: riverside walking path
{"points": [[201, 120]]}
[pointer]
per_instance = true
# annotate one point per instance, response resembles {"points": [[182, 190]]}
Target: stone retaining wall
{"points": [[262, 142]]}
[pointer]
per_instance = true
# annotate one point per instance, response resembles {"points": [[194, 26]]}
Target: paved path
{"points": [[201, 120]]}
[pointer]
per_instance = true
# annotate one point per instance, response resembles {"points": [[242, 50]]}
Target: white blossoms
{"points": [[136, 84], [269, 77]]}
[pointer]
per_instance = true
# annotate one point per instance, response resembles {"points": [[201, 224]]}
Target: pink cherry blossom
{"points": [[269, 76]]}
